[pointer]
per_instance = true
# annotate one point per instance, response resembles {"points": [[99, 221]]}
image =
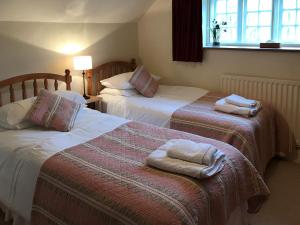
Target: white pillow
{"points": [[119, 92], [72, 96], [12, 115], [121, 81]]}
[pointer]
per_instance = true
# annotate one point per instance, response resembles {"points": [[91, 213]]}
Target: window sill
{"points": [[254, 48]]}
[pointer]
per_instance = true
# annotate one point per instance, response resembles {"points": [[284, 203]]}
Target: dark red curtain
{"points": [[187, 30]]}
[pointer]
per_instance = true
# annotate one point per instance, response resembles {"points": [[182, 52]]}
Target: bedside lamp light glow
{"points": [[83, 63]]}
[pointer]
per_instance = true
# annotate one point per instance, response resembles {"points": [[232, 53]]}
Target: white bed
{"points": [[157, 110], [22, 152]]}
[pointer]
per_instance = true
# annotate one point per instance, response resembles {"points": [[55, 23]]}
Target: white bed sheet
{"points": [[157, 110], [22, 153]]}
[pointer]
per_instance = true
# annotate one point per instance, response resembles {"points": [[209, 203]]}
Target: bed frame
{"points": [[67, 78], [105, 71]]}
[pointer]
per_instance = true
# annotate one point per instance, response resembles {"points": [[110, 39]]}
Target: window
{"points": [[258, 27], [253, 21], [290, 21]]}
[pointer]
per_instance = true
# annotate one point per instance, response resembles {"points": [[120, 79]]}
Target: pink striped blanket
{"points": [[105, 181], [259, 138]]}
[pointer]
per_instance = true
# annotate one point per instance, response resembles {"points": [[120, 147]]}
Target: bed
{"points": [[95, 174], [191, 110]]}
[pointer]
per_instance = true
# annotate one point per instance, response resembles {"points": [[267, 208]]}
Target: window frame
{"points": [[209, 7]]}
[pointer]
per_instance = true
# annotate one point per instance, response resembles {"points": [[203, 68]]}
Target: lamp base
{"points": [[86, 97]]}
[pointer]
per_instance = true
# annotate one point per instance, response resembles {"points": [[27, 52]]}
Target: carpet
{"points": [[283, 206]]}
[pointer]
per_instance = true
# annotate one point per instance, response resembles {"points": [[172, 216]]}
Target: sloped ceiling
{"points": [[73, 11]]}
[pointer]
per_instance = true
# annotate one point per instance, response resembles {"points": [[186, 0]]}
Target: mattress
{"points": [[157, 110]]}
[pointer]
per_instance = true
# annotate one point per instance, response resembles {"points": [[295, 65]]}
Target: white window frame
{"points": [[276, 25]]}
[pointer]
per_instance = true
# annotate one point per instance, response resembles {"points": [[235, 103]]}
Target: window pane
{"points": [[226, 11], [265, 4], [258, 21], [221, 6], [264, 34], [231, 19], [231, 34], [252, 5], [252, 19], [265, 19], [289, 4], [221, 17], [288, 34], [232, 6], [256, 35], [288, 17], [251, 34], [298, 34], [290, 21]]}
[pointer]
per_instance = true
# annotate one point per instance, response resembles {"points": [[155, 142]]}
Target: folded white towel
{"points": [[191, 151], [222, 106], [160, 160], [240, 101]]}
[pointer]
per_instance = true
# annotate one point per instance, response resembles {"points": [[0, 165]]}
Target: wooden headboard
{"points": [[105, 71], [11, 82]]}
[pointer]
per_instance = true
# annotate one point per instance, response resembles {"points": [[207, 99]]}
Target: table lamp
{"points": [[83, 63]]}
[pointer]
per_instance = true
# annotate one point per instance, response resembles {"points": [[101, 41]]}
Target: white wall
{"points": [[155, 50], [27, 47], [73, 11]]}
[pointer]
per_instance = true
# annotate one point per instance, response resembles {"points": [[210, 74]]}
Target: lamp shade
{"points": [[82, 62]]}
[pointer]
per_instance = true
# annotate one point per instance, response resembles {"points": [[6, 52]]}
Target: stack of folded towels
{"points": [[198, 160], [236, 104]]}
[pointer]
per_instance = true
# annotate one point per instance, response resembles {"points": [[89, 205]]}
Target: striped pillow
{"points": [[53, 111], [144, 82]]}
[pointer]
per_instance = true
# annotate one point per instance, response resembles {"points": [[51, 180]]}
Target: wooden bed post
{"points": [[12, 93], [133, 62], [34, 78], [68, 79], [89, 77]]}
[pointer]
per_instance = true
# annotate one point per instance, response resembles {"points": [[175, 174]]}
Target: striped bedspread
{"points": [[105, 181], [259, 138]]}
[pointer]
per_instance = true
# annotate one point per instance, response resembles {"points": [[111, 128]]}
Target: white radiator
{"points": [[283, 94]]}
